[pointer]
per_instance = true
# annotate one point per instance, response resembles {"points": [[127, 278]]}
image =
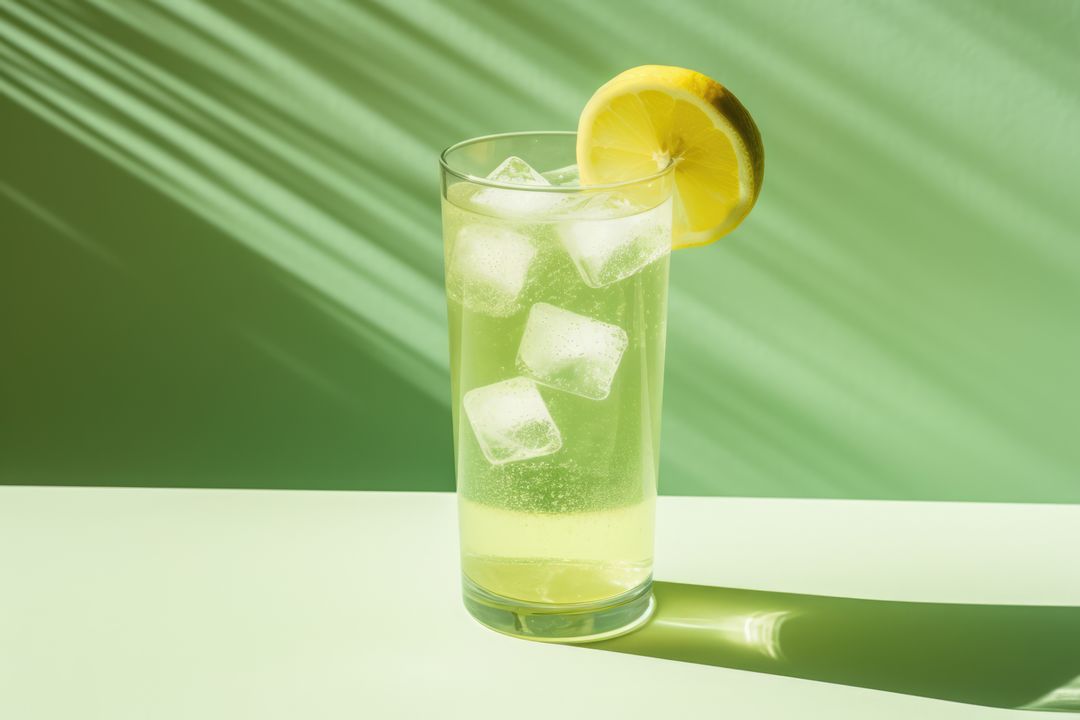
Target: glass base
{"points": [[577, 623]]}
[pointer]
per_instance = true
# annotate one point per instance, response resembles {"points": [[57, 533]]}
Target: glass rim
{"points": [[477, 180]]}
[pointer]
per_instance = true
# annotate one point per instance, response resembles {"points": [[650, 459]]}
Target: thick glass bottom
{"points": [[565, 623]]}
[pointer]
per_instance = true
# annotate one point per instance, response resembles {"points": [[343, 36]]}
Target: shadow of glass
{"points": [[994, 655]]}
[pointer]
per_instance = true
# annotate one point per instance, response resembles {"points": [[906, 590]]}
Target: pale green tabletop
{"points": [[131, 603]]}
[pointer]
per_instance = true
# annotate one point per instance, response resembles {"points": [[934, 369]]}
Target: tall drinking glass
{"points": [[557, 298]]}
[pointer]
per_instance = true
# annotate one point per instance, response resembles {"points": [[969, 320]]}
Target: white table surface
{"points": [[157, 603]]}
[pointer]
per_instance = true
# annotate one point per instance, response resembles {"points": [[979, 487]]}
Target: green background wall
{"points": [[220, 260]]}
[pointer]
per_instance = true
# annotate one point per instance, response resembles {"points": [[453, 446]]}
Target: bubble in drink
{"points": [[511, 422], [609, 242], [488, 269], [570, 352], [515, 203]]}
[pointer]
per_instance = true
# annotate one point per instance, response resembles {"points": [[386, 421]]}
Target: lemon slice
{"points": [[652, 115]]}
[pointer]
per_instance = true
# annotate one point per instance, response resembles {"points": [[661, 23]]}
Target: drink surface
{"points": [[557, 313]]}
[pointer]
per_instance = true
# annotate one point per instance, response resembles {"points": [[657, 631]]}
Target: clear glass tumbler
{"points": [[557, 298]]}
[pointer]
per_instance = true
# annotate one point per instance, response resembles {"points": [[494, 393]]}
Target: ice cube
{"points": [[511, 421], [516, 203], [609, 242], [488, 269], [515, 171], [596, 206], [570, 352], [568, 176]]}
